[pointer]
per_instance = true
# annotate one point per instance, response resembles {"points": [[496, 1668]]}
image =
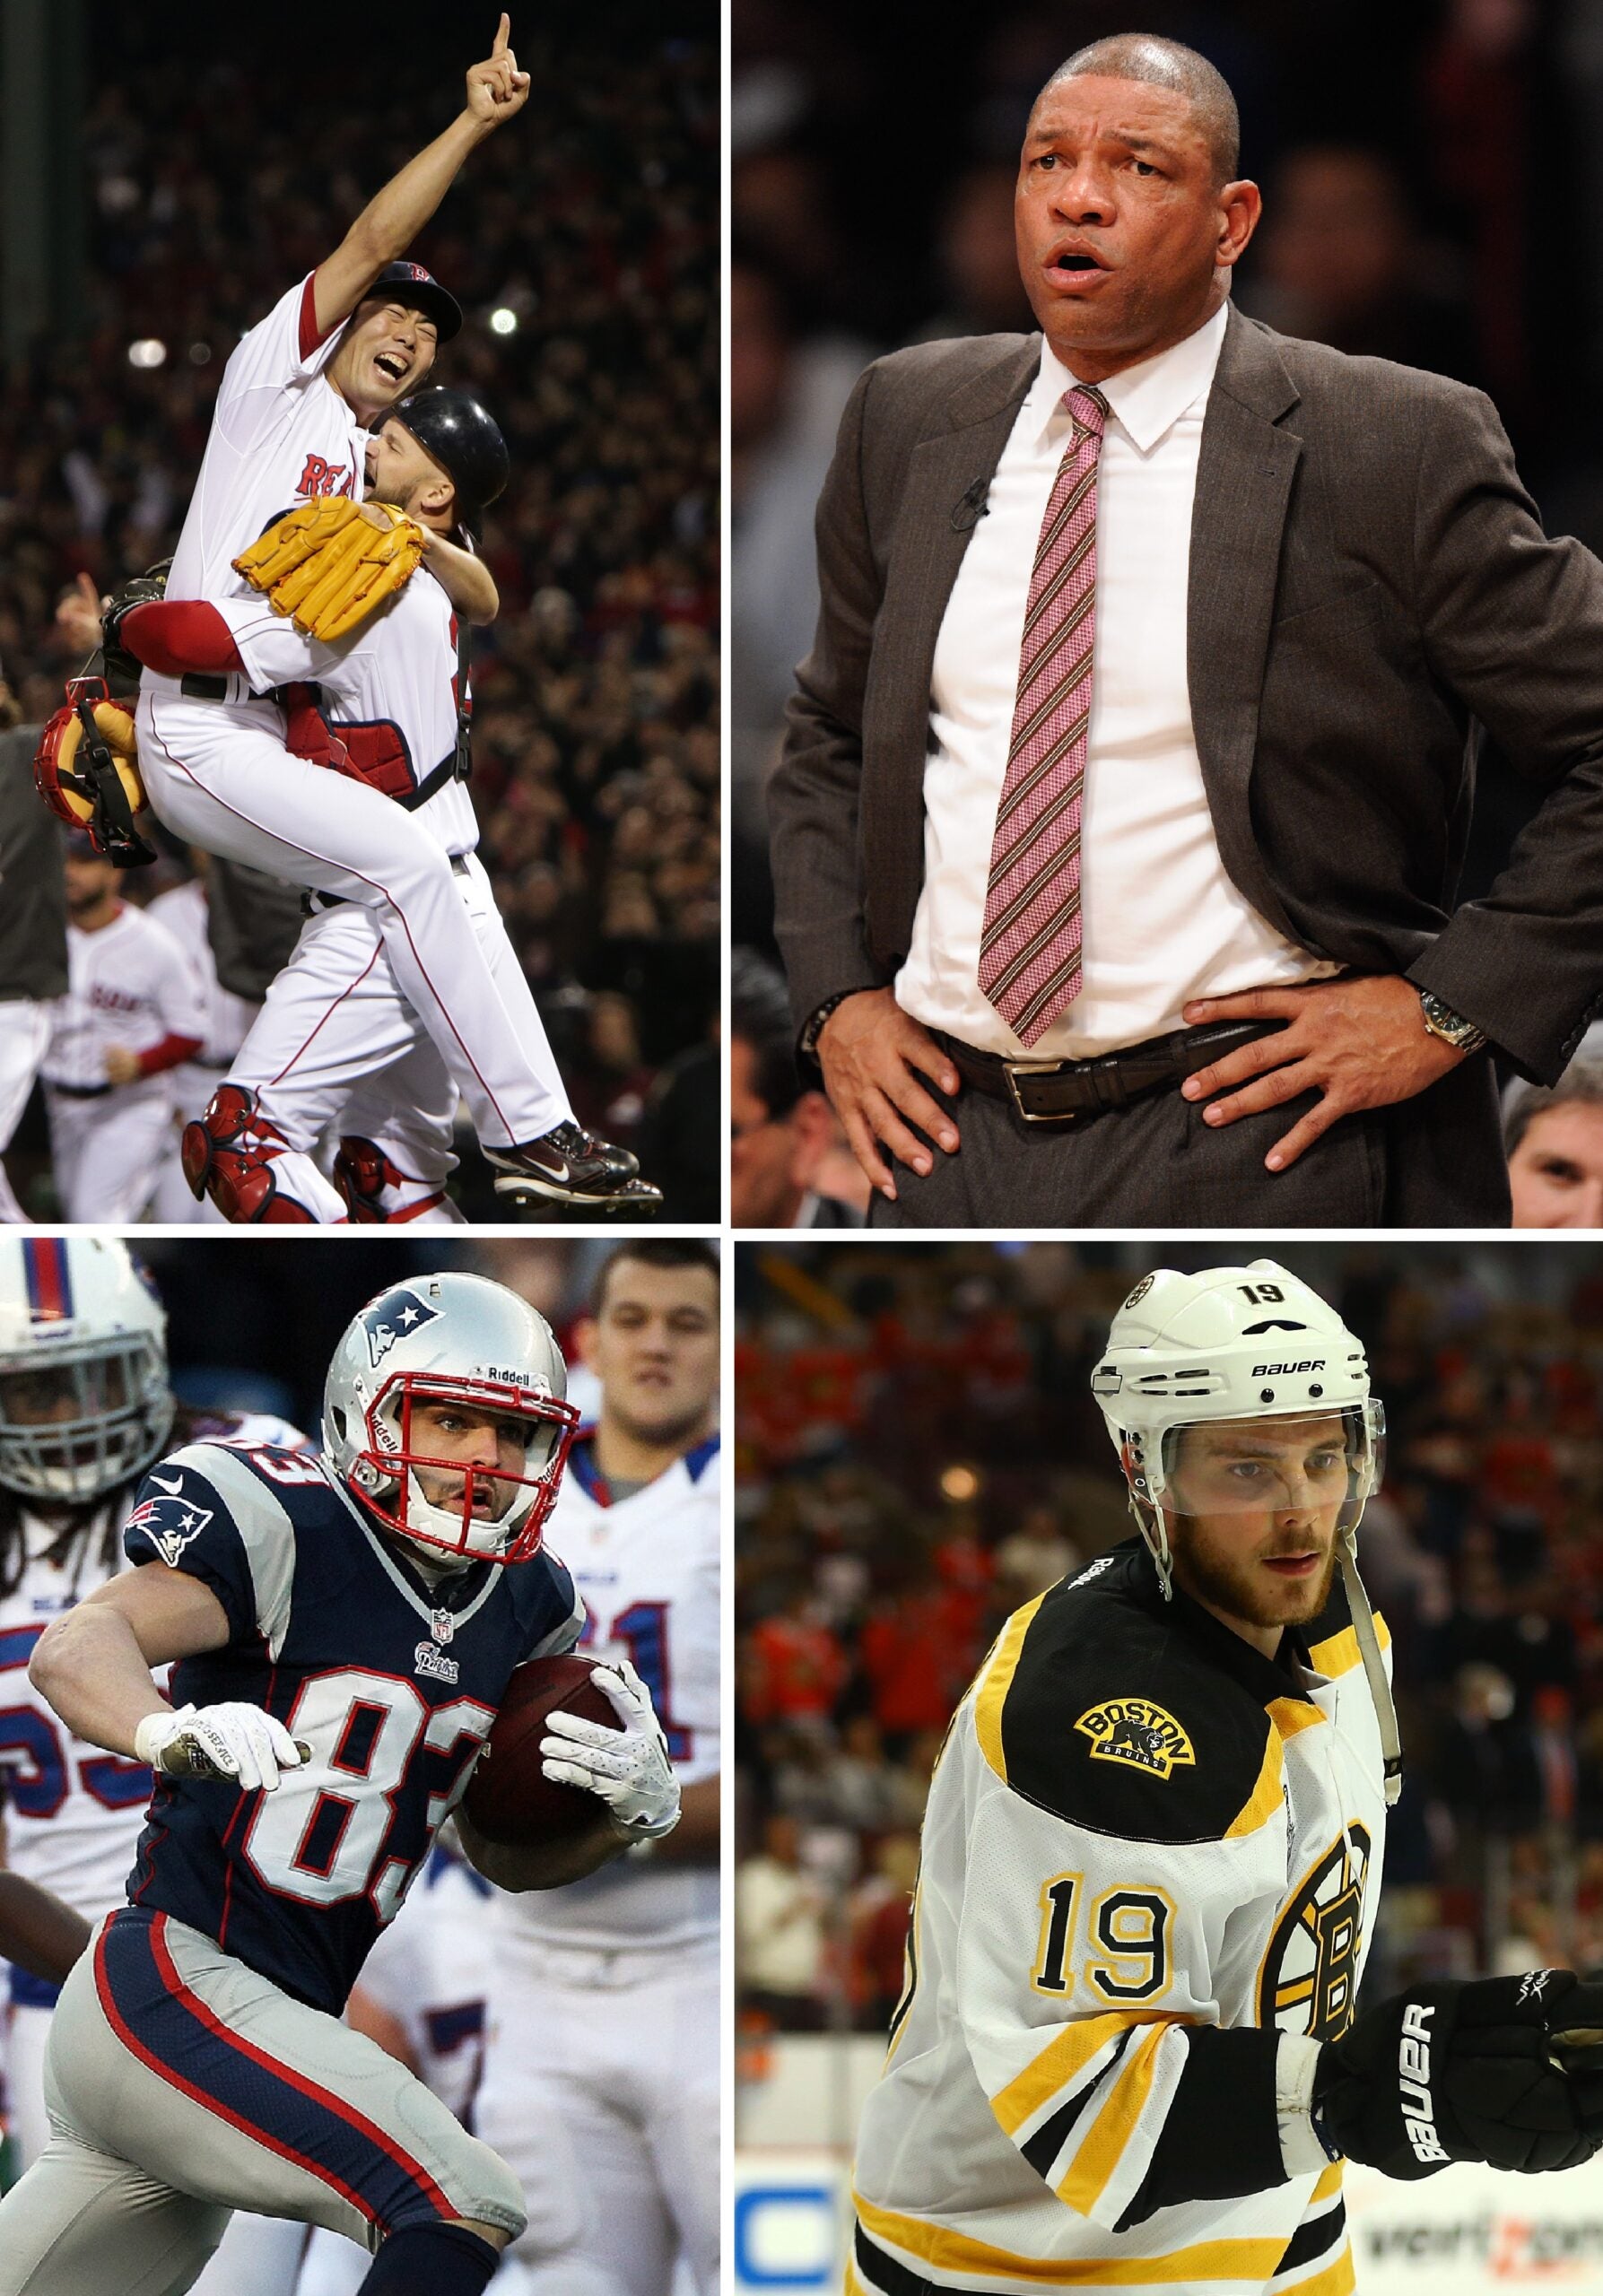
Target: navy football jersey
{"points": [[393, 1687]]}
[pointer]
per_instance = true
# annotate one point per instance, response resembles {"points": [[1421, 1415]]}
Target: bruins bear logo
{"points": [[1134, 1730], [1310, 1979]]}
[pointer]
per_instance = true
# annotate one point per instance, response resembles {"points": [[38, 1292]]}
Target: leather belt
{"points": [[198, 688], [314, 904], [79, 1091], [1061, 1092]]}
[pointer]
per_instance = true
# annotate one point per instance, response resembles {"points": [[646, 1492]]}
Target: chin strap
{"points": [[1374, 1667]]}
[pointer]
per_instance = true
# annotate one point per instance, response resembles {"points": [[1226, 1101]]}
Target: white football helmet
{"points": [[450, 1339], [84, 1399], [1238, 1344]]}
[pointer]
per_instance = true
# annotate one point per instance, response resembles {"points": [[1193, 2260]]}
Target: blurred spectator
{"points": [[780, 1907], [1554, 1140], [978, 260], [1338, 260], [789, 1163]]}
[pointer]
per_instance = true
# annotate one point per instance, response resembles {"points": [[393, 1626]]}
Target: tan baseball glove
{"points": [[333, 563]]}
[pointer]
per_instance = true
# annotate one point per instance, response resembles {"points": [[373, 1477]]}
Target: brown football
{"points": [[509, 1798]]}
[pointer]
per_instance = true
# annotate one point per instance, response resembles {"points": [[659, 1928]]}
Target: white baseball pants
{"points": [[221, 775]]}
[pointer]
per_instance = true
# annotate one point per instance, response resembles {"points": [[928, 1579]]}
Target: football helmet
{"points": [[450, 1339], [84, 1399], [1234, 1344]]}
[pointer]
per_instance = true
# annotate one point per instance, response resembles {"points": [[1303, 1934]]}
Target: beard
{"points": [[1215, 1572]]}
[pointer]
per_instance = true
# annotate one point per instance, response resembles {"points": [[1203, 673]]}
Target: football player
{"points": [[1126, 2052], [85, 1406], [601, 2076], [343, 1630]]}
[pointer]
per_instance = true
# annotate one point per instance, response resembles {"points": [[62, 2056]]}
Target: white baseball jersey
{"points": [[280, 433], [183, 912], [395, 676], [73, 1813], [129, 984], [1151, 1863], [647, 1568]]}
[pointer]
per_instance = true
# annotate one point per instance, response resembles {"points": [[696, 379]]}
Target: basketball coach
{"points": [[1116, 835]]}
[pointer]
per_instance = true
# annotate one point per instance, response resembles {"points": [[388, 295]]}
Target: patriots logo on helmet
{"points": [[399, 1314], [170, 1521]]}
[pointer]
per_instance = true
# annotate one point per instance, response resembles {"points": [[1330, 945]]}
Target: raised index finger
{"points": [[502, 35]]}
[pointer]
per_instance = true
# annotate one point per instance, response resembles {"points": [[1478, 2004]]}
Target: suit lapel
{"points": [[932, 533], [1243, 485]]}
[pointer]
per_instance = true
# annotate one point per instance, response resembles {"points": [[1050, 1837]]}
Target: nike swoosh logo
{"points": [[559, 1172], [172, 1489]]}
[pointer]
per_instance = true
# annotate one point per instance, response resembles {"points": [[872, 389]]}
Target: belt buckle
{"points": [[1013, 1070]]}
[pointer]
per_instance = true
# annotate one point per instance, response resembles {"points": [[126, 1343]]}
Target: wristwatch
{"points": [[1452, 1027]]}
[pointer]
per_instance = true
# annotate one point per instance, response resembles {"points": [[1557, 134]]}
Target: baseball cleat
{"points": [[569, 1166]]}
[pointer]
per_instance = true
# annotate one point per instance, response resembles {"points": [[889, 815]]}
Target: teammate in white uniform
{"points": [[601, 2079], [183, 910], [289, 425], [1127, 2056], [84, 1406], [132, 1015], [338, 1043]]}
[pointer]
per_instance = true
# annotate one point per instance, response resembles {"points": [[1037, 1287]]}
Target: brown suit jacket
{"points": [[1368, 579]]}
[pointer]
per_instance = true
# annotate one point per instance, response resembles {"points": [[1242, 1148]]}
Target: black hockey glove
{"points": [[1467, 2071]]}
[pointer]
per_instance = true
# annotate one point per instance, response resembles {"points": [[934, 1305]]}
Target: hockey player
{"points": [[1125, 2054], [601, 2077], [368, 1608]]}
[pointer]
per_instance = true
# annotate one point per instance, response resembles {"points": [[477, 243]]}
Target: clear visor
{"points": [[1311, 1462], [83, 1423]]}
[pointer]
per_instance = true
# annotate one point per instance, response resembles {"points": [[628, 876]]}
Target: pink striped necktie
{"points": [[1030, 945]]}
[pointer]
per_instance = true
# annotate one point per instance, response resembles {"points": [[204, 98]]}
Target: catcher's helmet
{"points": [[464, 440]]}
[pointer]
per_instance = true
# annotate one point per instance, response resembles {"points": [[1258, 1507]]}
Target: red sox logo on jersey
{"points": [[321, 477]]}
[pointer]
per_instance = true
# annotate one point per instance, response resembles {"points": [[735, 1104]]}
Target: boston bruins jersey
{"points": [[1149, 1853]]}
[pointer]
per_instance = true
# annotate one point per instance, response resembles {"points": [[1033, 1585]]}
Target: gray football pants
{"points": [[181, 2085]]}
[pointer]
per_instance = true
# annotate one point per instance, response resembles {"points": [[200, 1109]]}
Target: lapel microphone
{"points": [[970, 507]]}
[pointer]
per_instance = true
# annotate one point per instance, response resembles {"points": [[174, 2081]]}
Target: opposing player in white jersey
{"points": [[601, 2077], [131, 1017], [184, 911], [337, 351], [1130, 2054], [338, 1044], [85, 1406]]}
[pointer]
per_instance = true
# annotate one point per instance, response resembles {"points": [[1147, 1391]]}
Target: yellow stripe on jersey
{"points": [[1264, 1800], [1069, 2050], [995, 1683], [1290, 1715], [1337, 2279], [943, 2250], [1103, 2147], [1338, 1654], [1329, 2182]]}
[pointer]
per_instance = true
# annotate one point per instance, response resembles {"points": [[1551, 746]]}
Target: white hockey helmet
{"points": [[450, 1338], [1233, 1343], [84, 1399]]}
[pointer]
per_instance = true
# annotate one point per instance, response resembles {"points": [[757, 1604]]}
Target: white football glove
{"points": [[629, 1768], [229, 1741]]}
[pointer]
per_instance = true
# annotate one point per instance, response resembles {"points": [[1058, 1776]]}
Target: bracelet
{"points": [[812, 1029]]}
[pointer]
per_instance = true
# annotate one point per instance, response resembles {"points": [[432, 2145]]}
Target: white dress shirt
{"points": [[1161, 921]]}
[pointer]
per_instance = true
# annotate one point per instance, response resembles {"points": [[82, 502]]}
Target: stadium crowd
{"points": [[585, 251], [918, 1454]]}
